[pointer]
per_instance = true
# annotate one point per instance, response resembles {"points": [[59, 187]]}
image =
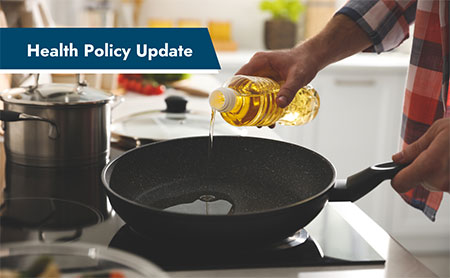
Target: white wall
{"points": [[245, 16], [66, 12]]}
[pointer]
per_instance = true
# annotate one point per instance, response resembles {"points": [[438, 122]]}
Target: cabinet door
{"points": [[358, 123], [416, 232]]}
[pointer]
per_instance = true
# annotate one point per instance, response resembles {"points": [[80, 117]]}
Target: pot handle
{"points": [[359, 184], [11, 116]]}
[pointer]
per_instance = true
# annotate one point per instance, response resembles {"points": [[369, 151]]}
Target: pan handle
{"points": [[359, 184]]}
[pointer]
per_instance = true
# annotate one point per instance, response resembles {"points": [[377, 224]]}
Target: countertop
{"points": [[391, 61]]}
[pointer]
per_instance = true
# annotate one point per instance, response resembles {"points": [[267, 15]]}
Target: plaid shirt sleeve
{"points": [[427, 95], [386, 22]]}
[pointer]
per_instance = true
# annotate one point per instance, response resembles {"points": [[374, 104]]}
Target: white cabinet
{"points": [[358, 125]]}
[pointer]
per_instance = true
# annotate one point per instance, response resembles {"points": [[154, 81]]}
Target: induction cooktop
{"points": [[69, 205]]}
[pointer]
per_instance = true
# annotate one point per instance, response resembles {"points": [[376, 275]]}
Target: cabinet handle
{"points": [[362, 83]]}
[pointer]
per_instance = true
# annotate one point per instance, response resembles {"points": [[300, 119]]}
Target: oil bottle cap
{"points": [[223, 99]]}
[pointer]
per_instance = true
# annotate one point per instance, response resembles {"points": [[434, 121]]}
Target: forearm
{"points": [[341, 38]]}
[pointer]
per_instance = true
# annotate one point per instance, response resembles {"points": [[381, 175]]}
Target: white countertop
{"points": [[392, 61]]}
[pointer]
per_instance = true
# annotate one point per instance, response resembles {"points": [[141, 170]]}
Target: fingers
{"points": [[413, 150], [250, 68], [280, 66], [288, 90], [430, 156], [270, 126], [258, 62], [430, 169], [413, 175]]}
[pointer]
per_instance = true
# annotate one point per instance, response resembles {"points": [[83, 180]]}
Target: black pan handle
{"points": [[359, 184]]}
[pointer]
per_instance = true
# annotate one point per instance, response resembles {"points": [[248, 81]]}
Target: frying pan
{"points": [[274, 189]]}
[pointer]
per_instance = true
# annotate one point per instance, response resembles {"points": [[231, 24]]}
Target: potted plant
{"points": [[281, 30]]}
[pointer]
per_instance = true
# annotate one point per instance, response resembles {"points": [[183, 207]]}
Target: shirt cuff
{"points": [[376, 46], [385, 23]]}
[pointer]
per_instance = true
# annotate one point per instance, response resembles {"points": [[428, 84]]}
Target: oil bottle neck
{"points": [[223, 99]]}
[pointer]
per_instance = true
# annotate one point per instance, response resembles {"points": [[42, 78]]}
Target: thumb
{"points": [[288, 91], [413, 150], [412, 175]]}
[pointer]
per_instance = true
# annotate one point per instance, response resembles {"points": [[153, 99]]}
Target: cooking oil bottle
{"points": [[250, 101]]}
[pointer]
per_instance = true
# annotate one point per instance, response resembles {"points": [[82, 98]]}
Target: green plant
{"points": [[283, 9]]}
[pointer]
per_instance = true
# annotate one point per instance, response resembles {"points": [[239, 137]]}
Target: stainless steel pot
{"points": [[56, 124]]}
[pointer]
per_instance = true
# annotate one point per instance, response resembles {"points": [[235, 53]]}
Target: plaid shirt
{"points": [[426, 96]]}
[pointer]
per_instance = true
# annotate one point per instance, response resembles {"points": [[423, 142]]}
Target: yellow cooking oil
{"points": [[250, 101]]}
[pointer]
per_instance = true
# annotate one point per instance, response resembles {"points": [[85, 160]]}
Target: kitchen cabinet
{"points": [[358, 125]]}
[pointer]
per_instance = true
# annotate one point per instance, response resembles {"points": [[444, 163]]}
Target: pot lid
{"points": [[55, 94], [173, 122], [73, 259]]}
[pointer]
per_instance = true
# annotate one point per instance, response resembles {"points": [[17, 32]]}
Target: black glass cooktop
{"points": [[49, 205], [331, 242]]}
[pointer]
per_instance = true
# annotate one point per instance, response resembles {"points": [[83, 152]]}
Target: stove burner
{"points": [[47, 216], [300, 248], [295, 240], [78, 184]]}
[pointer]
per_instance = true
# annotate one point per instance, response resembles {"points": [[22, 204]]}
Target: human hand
{"points": [[340, 38], [430, 160], [294, 68]]}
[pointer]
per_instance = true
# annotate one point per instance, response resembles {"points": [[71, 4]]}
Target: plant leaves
{"points": [[286, 9]]}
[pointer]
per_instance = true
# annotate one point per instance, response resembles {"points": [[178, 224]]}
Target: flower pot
{"points": [[280, 33]]}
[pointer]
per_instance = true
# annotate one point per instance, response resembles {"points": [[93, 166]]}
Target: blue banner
{"points": [[107, 49]]}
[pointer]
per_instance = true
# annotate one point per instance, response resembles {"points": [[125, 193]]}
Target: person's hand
{"points": [[294, 68], [430, 160], [340, 38]]}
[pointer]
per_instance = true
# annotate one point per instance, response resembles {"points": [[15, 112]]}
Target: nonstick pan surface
{"points": [[248, 190], [265, 181]]}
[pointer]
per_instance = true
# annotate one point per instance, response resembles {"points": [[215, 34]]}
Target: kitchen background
{"points": [[361, 97]]}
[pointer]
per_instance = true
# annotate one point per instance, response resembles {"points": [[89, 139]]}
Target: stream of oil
{"points": [[211, 136], [207, 204]]}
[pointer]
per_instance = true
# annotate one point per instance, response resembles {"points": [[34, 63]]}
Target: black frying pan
{"points": [[266, 190]]}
